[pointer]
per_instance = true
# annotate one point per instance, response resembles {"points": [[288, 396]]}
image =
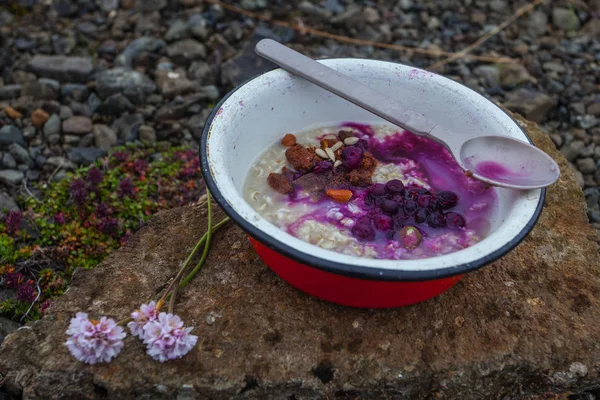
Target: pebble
{"points": [[8, 203], [7, 161], [115, 105], [11, 134], [132, 84], [12, 113], [9, 92], [586, 165], [104, 137], [147, 134], [20, 154], [52, 126], [565, 19], [78, 125], [85, 155], [39, 117], [62, 68], [185, 51], [11, 177]]}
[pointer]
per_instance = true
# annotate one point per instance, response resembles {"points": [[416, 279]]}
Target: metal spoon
{"points": [[496, 160]]}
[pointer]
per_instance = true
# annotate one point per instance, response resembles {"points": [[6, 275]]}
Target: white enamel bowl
{"points": [[257, 113]]}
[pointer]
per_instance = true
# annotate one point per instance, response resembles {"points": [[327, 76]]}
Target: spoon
{"points": [[497, 160]]}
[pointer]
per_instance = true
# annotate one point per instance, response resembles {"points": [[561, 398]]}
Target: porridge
{"points": [[370, 191]]}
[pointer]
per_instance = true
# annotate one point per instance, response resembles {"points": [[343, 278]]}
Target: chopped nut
{"points": [[339, 195], [288, 140], [336, 146], [337, 163], [349, 141], [321, 153], [330, 154]]}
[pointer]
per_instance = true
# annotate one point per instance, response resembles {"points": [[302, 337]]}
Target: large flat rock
{"points": [[523, 327]]}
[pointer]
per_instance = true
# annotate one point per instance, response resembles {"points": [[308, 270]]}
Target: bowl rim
{"points": [[353, 271]]}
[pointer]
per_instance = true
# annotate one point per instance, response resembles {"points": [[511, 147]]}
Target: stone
{"points": [[65, 113], [557, 139], [85, 155], [150, 5], [371, 15], [78, 125], [7, 203], [499, 5], [196, 123], [552, 66], [94, 102], [20, 154], [221, 48], [573, 150], [104, 137], [62, 162], [39, 117], [586, 165], [127, 127], [587, 121], [594, 109], [147, 134], [65, 8], [115, 105], [7, 326], [530, 103], [565, 19], [512, 75], [179, 29], [52, 126], [11, 134], [62, 68], [39, 90], [12, 113], [173, 83], [29, 132], [178, 108], [11, 177], [185, 51], [132, 84], [137, 47], [201, 72], [10, 92], [532, 310], [7, 161], [537, 23], [75, 91]]}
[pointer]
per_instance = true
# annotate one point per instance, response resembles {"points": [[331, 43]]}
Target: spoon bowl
{"points": [[501, 165]]}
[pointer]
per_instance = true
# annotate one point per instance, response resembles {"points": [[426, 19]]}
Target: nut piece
{"points": [[321, 153], [336, 146], [349, 141], [337, 163], [410, 237], [339, 195], [288, 140], [330, 153]]}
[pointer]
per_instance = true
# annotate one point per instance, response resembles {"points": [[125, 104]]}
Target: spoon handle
{"points": [[392, 110]]}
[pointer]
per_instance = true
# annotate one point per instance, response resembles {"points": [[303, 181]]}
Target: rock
{"points": [[371, 15], [93, 103], [12, 113], [62, 68], [587, 121], [173, 83], [10, 92], [542, 295], [127, 127], [247, 64], [221, 48], [530, 103], [115, 105], [586, 165], [196, 123], [594, 109], [108, 5], [177, 109], [137, 47], [11, 134], [132, 84], [20, 154], [185, 51], [573, 150], [565, 19], [75, 91], [7, 161], [150, 5], [8, 204], [551, 66], [78, 125], [11, 177], [104, 137], [29, 132], [52, 126], [62, 162], [512, 75], [179, 29], [201, 72], [65, 8], [557, 139], [537, 23], [65, 113], [85, 155], [40, 90], [7, 326], [108, 49], [499, 6], [147, 134], [39, 117]]}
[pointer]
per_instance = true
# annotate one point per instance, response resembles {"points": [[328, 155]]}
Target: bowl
{"points": [[257, 113]]}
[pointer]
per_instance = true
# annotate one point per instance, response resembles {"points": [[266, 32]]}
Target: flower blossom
{"points": [[167, 339], [141, 317], [94, 341]]}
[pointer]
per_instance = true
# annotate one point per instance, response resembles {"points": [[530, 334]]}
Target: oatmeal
{"points": [[369, 191]]}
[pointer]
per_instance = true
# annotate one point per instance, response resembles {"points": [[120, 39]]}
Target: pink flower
{"points": [[94, 341], [141, 317], [167, 339]]}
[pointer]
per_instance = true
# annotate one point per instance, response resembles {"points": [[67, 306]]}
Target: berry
{"points": [[447, 199], [377, 189], [410, 207], [369, 201], [389, 206], [323, 166], [363, 232], [395, 186], [455, 220], [424, 200], [436, 220], [383, 222], [362, 144], [351, 157], [421, 215]]}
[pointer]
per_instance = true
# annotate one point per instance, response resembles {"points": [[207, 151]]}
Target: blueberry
{"points": [[363, 232], [455, 220], [362, 144], [395, 186], [377, 189], [421, 215], [447, 199], [351, 157], [383, 222], [389, 206], [369, 201], [410, 207], [364, 220], [323, 166], [424, 200], [436, 220]]}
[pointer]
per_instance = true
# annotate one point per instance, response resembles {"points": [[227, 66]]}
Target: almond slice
{"points": [[336, 146], [321, 153], [349, 141], [339, 195], [330, 153]]}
